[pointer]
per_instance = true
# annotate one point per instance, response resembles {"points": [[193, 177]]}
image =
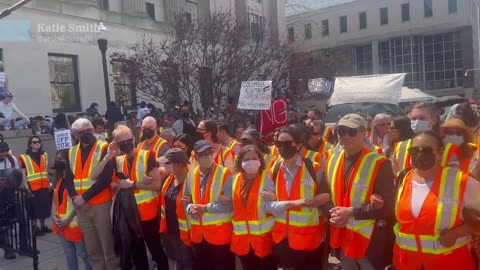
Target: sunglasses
{"points": [[125, 142], [36, 142], [84, 132], [417, 150], [452, 132], [342, 131], [283, 144]]}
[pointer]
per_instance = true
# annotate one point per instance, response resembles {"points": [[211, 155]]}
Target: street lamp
{"points": [[102, 45]]}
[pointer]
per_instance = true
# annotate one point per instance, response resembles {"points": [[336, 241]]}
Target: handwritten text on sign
{"points": [[63, 139], [255, 95]]}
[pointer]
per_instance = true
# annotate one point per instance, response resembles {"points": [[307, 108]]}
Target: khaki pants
{"points": [[96, 227]]}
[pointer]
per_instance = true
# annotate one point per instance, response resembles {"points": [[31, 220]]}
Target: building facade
{"points": [[434, 42], [52, 57]]}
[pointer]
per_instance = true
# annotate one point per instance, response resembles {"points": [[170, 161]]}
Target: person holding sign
{"points": [[35, 163]]}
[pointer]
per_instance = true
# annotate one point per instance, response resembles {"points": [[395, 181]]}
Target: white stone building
{"points": [[433, 41], [51, 55]]}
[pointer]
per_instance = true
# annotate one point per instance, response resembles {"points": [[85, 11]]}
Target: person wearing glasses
{"points": [[35, 164], [380, 137], [400, 131], [137, 169], [300, 189], [360, 233], [432, 231], [87, 179], [210, 219], [316, 143]]}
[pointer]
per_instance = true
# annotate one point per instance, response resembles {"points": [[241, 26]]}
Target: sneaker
{"points": [[45, 229], [10, 255]]}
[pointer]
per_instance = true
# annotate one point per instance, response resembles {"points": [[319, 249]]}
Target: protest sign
{"points": [[63, 139], [255, 95], [319, 86]]}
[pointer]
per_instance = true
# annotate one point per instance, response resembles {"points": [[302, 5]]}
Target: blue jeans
{"points": [[71, 250], [18, 123]]}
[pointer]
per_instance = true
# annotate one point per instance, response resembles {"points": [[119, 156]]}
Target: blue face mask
{"points": [[420, 125]]}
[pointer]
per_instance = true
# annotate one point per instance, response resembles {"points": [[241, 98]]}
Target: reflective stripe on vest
{"points": [[307, 216], [401, 154], [264, 224], [82, 179], [155, 147], [448, 151], [216, 181], [446, 216], [141, 163], [312, 155], [36, 172]]}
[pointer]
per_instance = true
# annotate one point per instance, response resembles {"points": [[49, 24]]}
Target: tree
{"points": [[203, 62]]}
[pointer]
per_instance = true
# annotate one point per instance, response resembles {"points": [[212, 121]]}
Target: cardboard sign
{"points": [[255, 95], [319, 86], [63, 139]]}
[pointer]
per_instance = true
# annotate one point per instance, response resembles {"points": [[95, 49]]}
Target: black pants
{"points": [[151, 237], [251, 261], [286, 257], [212, 257]]}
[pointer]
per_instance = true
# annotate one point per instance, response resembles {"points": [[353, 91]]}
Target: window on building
{"points": [[256, 27], [103, 4], [363, 63], [428, 8], [384, 16], [1, 55], [150, 10], [64, 86], [291, 34], [325, 28], [443, 61], [452, 6], [405, 12], [362, 17], [343, 24], [124, 89], [308, 31]]}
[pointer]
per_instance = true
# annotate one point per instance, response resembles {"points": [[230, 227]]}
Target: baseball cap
{"points": [[352, 120], [251, 134], [4, 147], [201, 146], [176, 155]]}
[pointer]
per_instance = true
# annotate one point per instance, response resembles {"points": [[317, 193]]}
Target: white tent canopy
{"points": [[413, 95]]}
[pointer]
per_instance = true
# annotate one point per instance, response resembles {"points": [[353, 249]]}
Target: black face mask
{"points": [[127, 148], [88, 138], [59, 165], [287, 152], [185, 115], [424, 161], [147, 134]]}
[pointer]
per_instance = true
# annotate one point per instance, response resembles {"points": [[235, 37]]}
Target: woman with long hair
{"points": [[399, 131], [380, 135], [64, 218], [184, 142], [35, 164]]}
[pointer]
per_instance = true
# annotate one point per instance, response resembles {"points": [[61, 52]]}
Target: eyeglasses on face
{"points": [[417, 150], [283, 143], [342, 131], [36, 142], [127, 141]]}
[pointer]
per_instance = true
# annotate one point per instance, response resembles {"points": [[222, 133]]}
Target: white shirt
{"points": [[2, 80], [7, 109], [6, 164]]}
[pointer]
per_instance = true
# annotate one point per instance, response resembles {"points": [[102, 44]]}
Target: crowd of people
{"points": [[376, 191]]}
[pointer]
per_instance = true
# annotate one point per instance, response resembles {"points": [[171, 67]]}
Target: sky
{"points": [[298, 6]]}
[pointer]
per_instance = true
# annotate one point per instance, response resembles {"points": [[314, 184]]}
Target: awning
{"points": [[413, 95]]}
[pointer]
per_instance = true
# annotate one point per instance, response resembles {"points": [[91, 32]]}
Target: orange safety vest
{"points": [[233, 144], [222, 154], [417, 243], [252, 226], [450, 149], [215, 228], [401, 156], [313, 156], [156, 146], [378, 149], [37, 175], [303, 226], [327, 133], [82, 172], [355, 238], [324, 147], [71, 233], [275, 153], [183, 218], [146, 199]]}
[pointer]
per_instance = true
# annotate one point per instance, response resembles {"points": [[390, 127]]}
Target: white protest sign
{"points": [[319, 86], [255, 95], [63, 139]]}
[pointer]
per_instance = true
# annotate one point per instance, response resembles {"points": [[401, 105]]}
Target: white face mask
{"points": [[420, 125], [251, 166], [453, 139], [168, 168], [205, 162]]}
